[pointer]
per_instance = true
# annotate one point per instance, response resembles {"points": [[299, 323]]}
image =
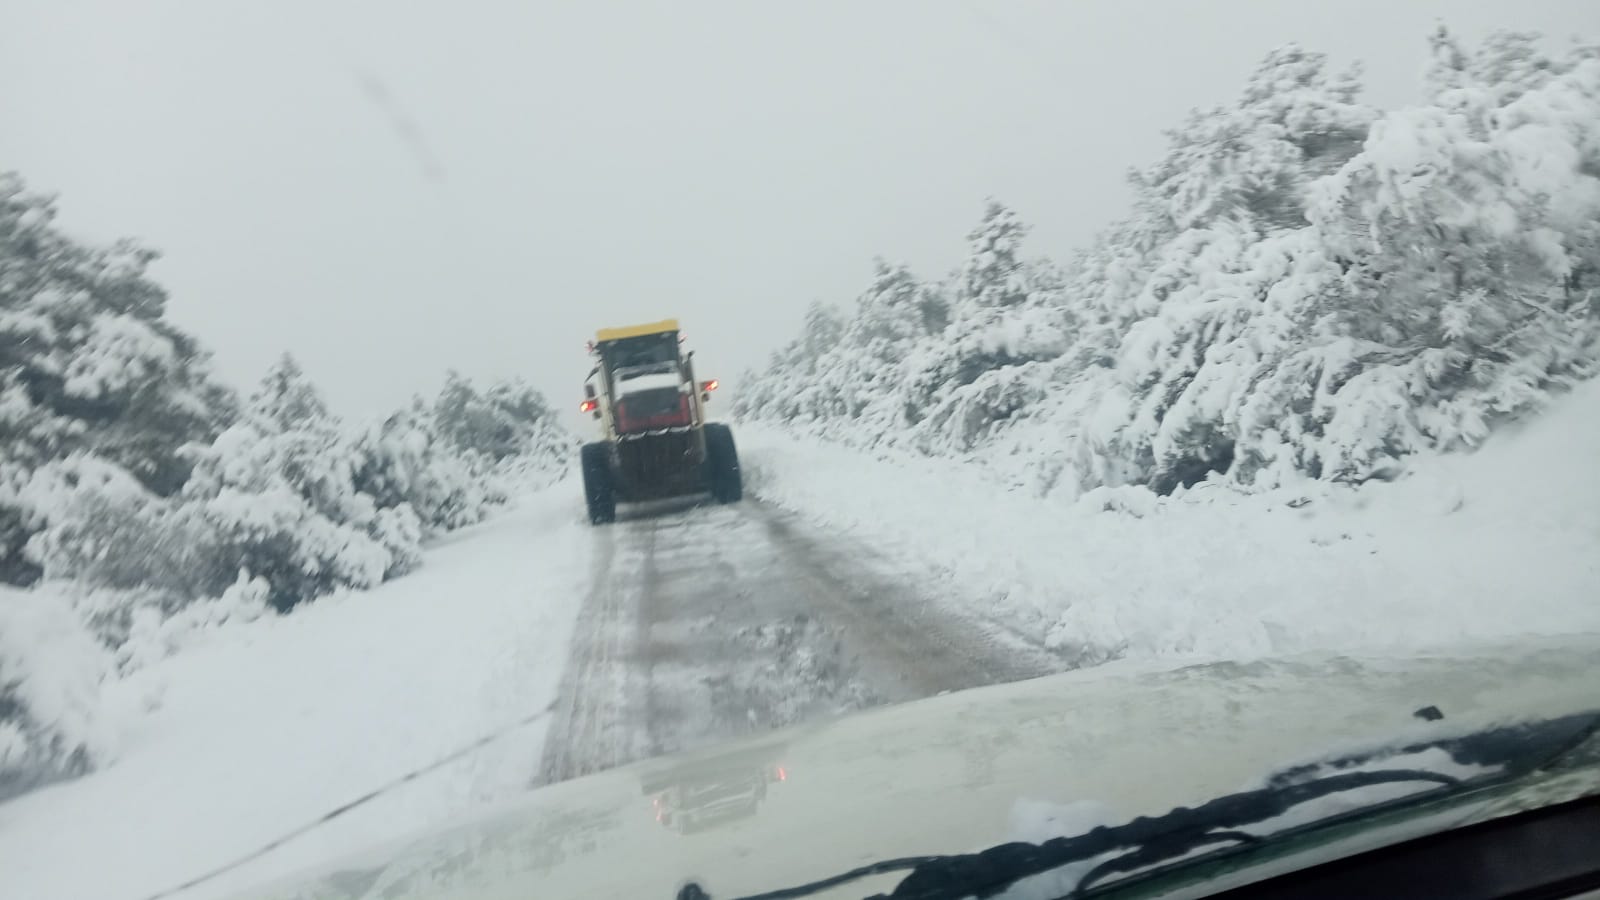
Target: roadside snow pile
{"points": [[1503, 541], [252, 732], [51, 667]]}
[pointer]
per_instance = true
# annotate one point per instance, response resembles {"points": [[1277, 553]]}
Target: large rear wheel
{"points": [[599, 487], [722, 464]]}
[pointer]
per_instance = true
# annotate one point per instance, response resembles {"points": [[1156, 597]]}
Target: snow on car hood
{"points": [[956, 773]]}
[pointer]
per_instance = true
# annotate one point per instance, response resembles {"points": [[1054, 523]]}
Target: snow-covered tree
{"points": [[509, 419], [286, 400], [88, 364], [108, 532], [403, 461], [507, 433], [844, 365], [819, 333], [279, 490], [1304, 286], [1005, 316], [1469, 233], [891, 317], [538, 441], [993, 273], [141, 503]]}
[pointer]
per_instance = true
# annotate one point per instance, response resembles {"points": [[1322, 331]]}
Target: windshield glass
{"points": [[648, 378], [742, 442]]}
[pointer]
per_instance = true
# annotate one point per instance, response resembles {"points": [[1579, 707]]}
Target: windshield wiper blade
{"points": [[692, 891], [1153, 838], [1149, 839], [1515, 750]]}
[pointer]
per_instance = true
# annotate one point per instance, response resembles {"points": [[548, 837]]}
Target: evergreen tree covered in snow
{"points": [[1004, 321], [287, 400], [142, 502], [1305, 286], [1467, 234], [404, 461], [537, 440], [1226, 272], [509, 419], [289, 495], [88, 364], [834, 367], [279, 492]]}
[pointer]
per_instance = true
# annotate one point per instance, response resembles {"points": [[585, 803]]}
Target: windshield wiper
{"points": [[1149, 840]]}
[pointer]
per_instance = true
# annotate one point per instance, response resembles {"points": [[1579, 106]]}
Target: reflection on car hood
{"points": [[949, 774]]}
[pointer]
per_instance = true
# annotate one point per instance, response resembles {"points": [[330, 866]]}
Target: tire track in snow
{"points": [[918, 649], [708, 623], [590, 731]]}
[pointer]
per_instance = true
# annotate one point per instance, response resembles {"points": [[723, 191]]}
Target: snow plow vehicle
{"points": [[655, 440]]}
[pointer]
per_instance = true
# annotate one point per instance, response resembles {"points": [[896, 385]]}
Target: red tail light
{"points": [[782, 775], [709, 385], [588, 405]]}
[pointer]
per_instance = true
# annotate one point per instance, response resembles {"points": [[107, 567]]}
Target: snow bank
{"points": [[1500, 542], [257, 730], [51, 665]]}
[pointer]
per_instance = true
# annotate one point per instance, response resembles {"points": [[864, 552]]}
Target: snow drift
{"points": [[1462, 548]]}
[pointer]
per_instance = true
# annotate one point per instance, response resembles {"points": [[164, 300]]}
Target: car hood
{"points": [[956, 773]]}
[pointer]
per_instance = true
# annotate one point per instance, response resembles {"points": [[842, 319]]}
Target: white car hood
{"points": [[954, 774]]}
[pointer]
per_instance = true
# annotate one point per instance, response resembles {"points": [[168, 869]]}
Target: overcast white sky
{"points": [[387, 189]]}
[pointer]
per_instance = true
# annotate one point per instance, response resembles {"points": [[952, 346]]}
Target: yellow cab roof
{"points": [[631, 331]]}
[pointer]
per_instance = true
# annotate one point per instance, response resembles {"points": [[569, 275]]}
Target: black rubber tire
{"points": [[599, 489], [722, 464]]}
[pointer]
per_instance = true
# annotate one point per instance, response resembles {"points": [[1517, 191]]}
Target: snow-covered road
{"points": [[704, 623]]}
